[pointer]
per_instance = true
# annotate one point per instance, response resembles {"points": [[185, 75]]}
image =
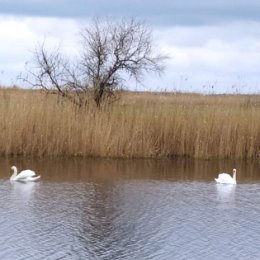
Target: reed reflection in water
{"points": [[84, 209]]}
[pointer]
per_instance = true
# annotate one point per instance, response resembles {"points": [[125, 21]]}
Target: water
{"points": [[129, 209]]}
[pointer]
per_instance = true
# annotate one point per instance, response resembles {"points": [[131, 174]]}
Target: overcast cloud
{"points": [[211, 43], [172, 12]]}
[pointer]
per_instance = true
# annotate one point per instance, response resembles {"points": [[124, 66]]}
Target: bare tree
{"points": [[57, 75], [110, 52]]}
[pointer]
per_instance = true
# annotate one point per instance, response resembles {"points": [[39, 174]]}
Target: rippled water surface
{"points": [[129, 209]]}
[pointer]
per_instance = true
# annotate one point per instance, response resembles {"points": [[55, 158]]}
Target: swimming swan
{"points": [[225, 178], [26, 175]]}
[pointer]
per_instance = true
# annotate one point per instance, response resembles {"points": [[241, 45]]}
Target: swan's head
{"points": [[234, 170], [13, 168]]}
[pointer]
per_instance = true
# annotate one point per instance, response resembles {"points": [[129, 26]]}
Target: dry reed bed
{"points": [[139, 125]]}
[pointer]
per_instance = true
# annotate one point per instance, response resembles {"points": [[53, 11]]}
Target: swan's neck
{"points": [[234, 176], [14, 171]]}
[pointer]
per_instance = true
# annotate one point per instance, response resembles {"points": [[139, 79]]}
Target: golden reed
{"points": [[33, 123]]}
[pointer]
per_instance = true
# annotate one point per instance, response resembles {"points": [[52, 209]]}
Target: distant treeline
{"points": [[138, 125]]}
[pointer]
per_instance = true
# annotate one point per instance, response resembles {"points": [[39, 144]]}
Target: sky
{"points": [[214, 46]]}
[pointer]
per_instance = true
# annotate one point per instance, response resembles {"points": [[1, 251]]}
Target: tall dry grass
{"points": [[139, 125]]}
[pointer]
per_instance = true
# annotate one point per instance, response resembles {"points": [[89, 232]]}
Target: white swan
{"points": [[26, 175], [225, 178]]}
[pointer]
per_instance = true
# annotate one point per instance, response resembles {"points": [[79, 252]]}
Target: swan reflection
{"points": [[23, 190], [226, 192]]}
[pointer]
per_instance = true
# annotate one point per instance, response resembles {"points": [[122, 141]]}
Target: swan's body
{"points": [[26, 175], [225, 178]]}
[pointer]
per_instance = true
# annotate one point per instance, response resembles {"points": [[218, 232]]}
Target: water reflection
{"points": [[107, 170], [129, 209], [23, 190], [226, 192], [99, 220]]}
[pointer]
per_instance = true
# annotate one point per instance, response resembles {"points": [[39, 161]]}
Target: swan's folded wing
{"points": [[224, 177], [33, 178], [25, 174], [29, 179]]}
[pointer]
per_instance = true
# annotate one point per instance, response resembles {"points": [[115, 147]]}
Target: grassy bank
{"points": [[138, 125]]}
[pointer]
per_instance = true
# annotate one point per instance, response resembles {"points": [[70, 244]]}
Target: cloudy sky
{"points": [[214, 45]]}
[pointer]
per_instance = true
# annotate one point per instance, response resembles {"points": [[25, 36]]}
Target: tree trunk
{"points": [[98, 93]]}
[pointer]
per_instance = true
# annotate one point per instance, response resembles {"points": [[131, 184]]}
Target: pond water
{"points": [[129, 209]]}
